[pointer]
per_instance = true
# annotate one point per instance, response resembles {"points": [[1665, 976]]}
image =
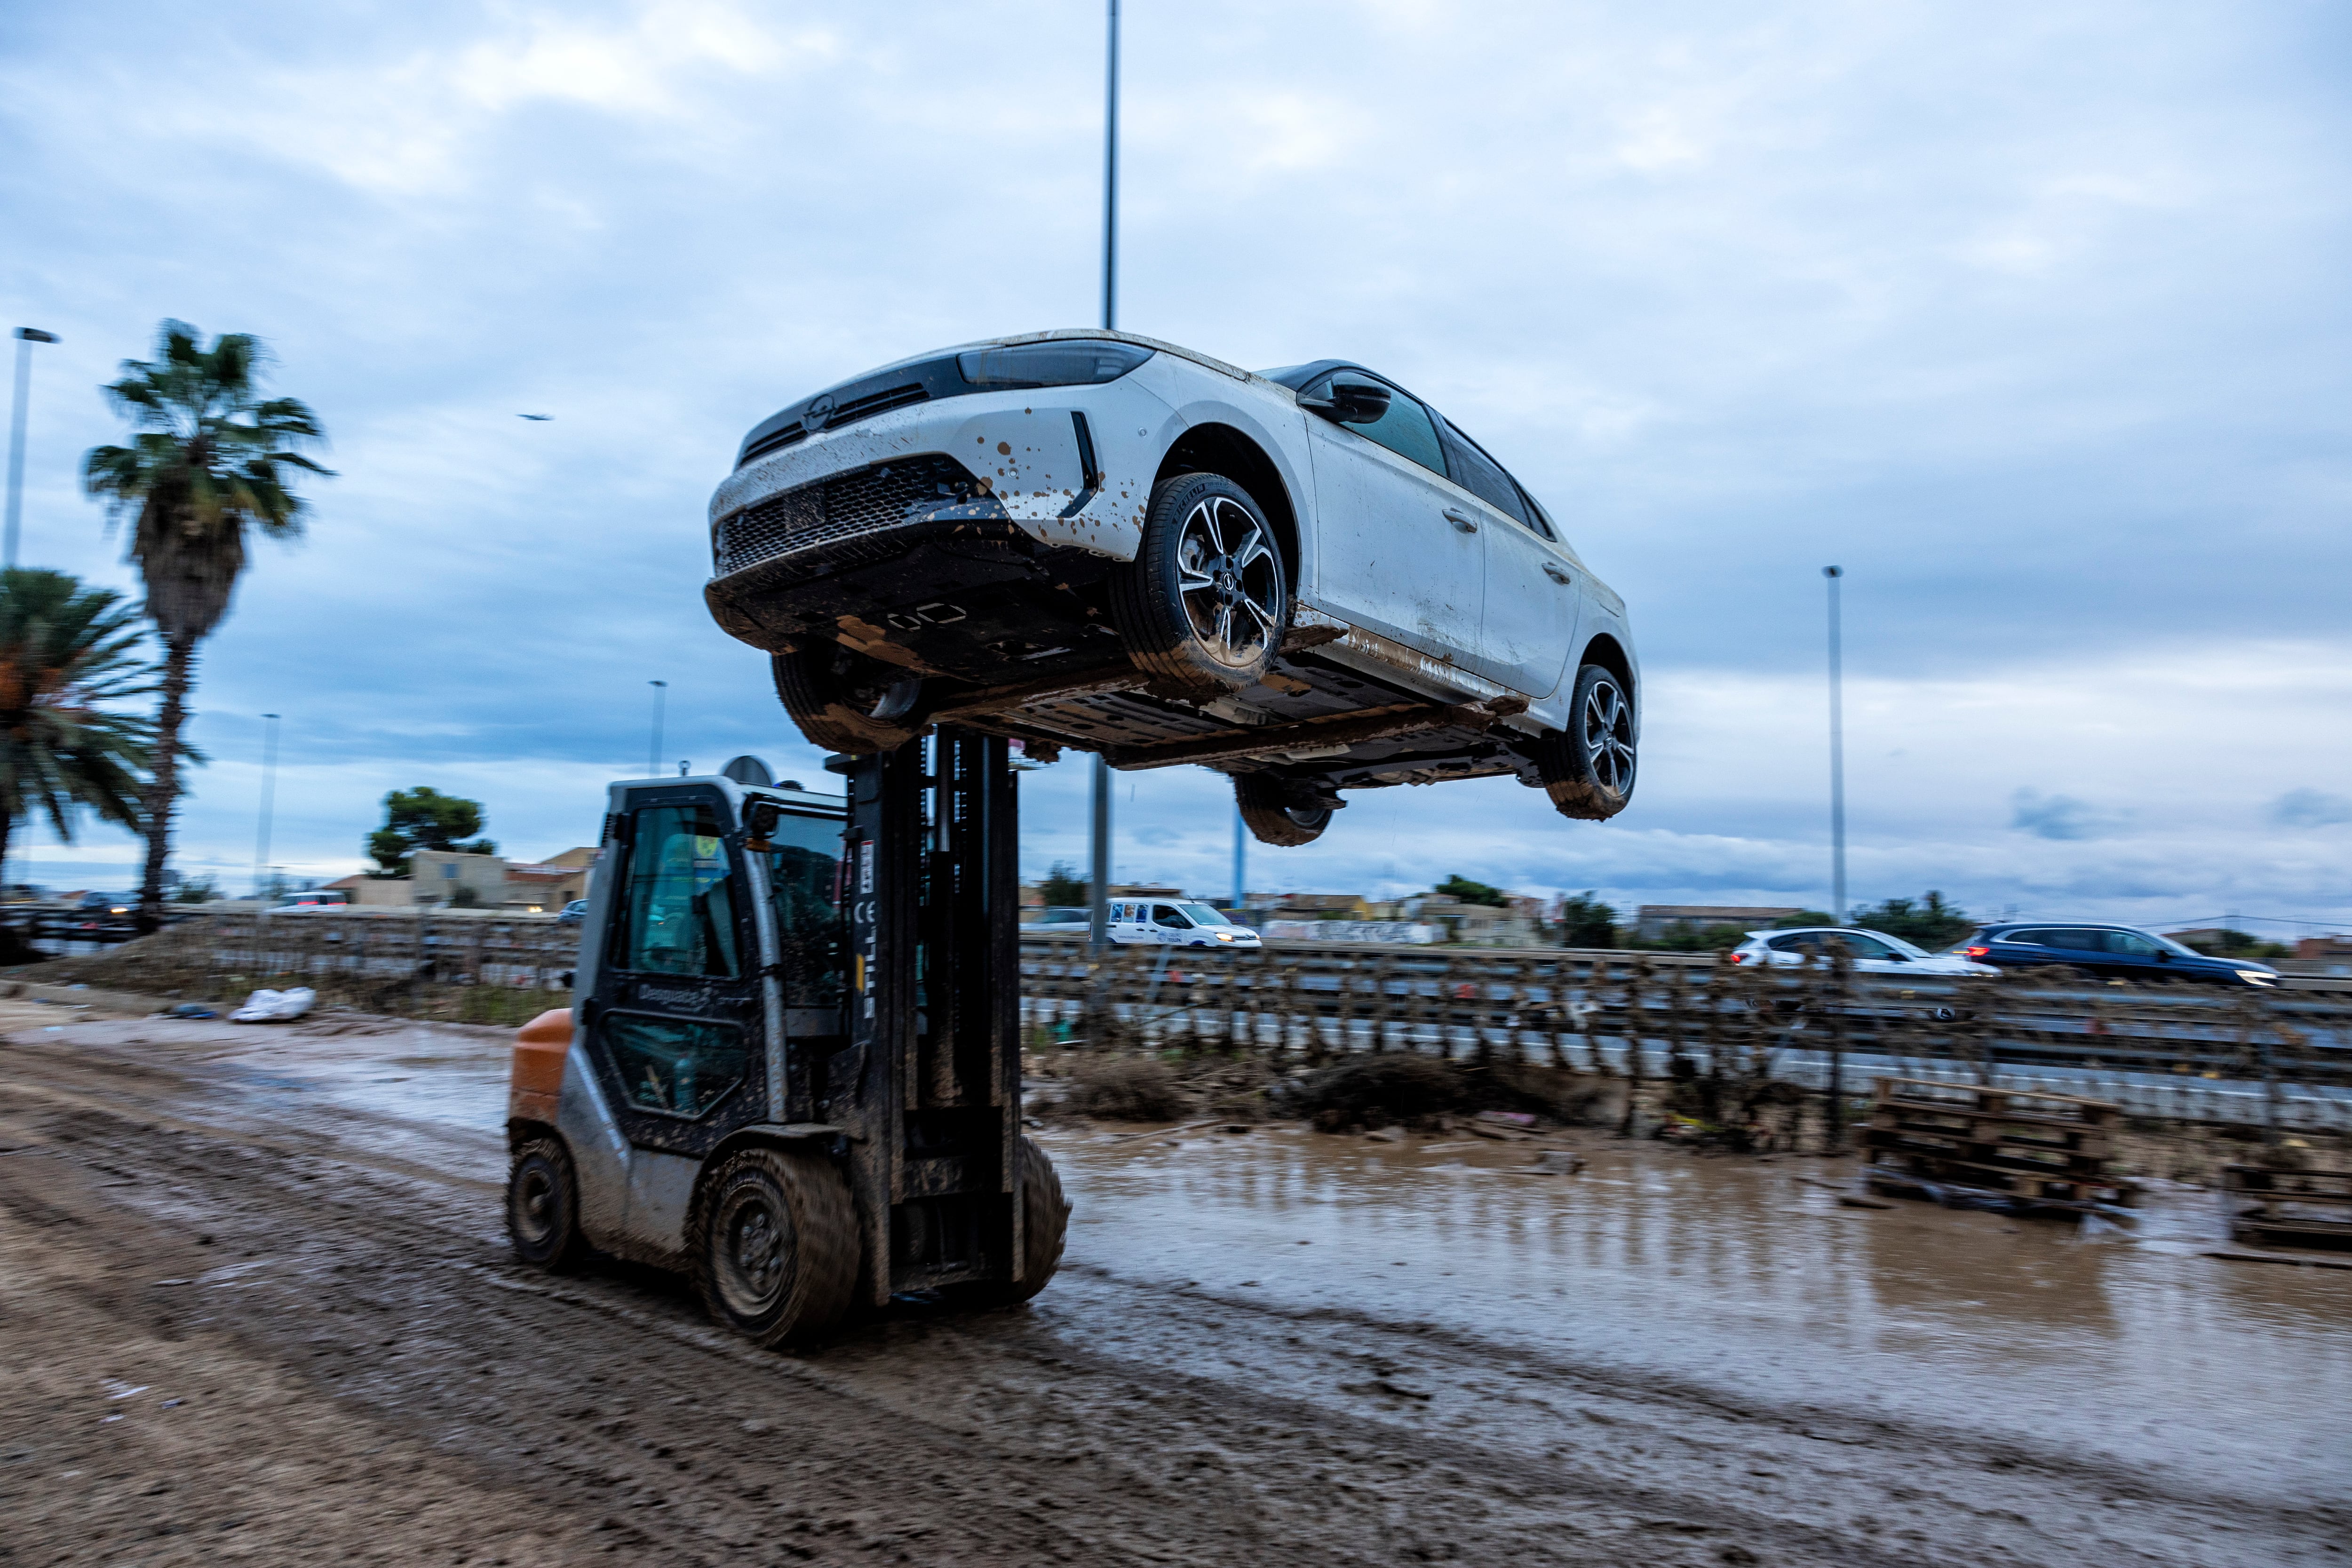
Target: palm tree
{"points": [[66, 653], [209, 458]]}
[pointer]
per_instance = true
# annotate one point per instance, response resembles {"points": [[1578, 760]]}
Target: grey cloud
{"points": [[2310, 808], [2060, 817]]}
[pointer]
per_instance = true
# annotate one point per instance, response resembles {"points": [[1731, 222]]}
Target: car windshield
{"points": [[1202, 915], [1898, 944], [2169, 945]]}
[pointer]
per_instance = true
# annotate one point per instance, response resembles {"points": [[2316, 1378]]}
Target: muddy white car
{"points": [[1307, 578]]}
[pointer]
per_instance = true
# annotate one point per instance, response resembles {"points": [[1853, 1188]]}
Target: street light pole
{"points": [[26, 338], [1837, 749], [1098, 861], [653, 753], [269, 799], [1240, 862]]}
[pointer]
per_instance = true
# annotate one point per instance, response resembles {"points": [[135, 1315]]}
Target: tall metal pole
{"points": [[1241, 861], [1099, 860], [26, 338], [653, 753], [268, 800], [1837, 750]]}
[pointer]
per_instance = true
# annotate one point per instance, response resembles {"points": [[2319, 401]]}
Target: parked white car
{"points": [[1874, 952], [1162, 923], [1308, 579]]}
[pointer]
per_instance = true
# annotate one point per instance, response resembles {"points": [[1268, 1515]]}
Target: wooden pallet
{"points": [[2288, 1208], [2043, 1150]]}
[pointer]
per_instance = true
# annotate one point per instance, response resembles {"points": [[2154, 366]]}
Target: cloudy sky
{"points": [[2032, 318]]}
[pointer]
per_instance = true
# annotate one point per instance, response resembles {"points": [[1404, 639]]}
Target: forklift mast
{"points": [[928, 1089]]}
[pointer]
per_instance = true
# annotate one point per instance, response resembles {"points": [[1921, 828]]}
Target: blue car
{"points": [[2110, 952]]}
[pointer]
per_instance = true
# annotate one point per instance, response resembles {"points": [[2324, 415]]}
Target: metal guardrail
{"points": [[2240, 1055]]}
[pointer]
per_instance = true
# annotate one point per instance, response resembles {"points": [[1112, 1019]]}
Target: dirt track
{"points": [[239, 1321]]}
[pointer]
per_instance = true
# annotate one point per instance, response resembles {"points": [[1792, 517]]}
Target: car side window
{"points": [[2131, 944], [1167, 915], [681, 896], [2077, 939], [1805, 942], [1483, 477], [1405, 429], [1862, 946]]}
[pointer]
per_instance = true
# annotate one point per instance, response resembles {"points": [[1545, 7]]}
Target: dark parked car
{"points": [[2111, 952]]}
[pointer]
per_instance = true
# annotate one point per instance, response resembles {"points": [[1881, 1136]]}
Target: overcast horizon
{"points": [[2035, 324]]}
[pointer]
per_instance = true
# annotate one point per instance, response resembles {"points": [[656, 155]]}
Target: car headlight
{"points": [[1073, 361], [1227, 936], [2257, 977]]}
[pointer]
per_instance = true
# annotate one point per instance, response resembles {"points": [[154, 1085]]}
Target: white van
{"points": [[1160, 922]]}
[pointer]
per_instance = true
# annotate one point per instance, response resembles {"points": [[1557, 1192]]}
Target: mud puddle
{"points": [[1749, 1281]]}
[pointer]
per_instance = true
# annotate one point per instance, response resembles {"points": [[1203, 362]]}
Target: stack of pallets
{"points": [[1952, 1141], [2288, 1208]]}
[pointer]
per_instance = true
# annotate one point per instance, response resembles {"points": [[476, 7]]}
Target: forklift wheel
{"points": [[775, 1245], [1045, 1222], [543, 1206]]}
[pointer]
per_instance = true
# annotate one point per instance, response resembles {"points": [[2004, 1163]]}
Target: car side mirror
{"points": [[2162, 956], [1351, 403], [759, 820]]}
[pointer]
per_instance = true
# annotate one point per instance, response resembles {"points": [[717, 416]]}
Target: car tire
{"points": [[543, 1206], [845, 702], [1206, 601], [1588, 768], [1275, 815], [774, 1245]]}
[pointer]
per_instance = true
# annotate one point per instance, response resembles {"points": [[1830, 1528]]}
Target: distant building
{"points": [[2323, 954], [1651, 923], [487, 882], [1472, 925]]}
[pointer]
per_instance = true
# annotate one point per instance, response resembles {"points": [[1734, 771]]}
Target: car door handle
{"points": [[1462, 520], [1555, 574]]}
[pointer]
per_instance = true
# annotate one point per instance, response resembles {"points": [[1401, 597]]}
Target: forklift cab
{"points": [[791, 1064]]}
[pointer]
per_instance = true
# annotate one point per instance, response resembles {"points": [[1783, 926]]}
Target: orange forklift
{"points": [[791, 1066]]}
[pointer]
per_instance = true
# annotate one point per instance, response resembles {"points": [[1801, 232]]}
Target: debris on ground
{"points": [[1125, 1089], [275, 1006]]}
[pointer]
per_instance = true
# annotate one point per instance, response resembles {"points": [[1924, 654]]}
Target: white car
{"points": [[1874, 952], [1308, 579], [1164, 924]]}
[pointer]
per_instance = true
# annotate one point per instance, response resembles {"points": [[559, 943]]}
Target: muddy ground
{"points": [[254, 1306]]}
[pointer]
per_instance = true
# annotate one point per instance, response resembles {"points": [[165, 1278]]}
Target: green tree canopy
{"points": [[209, 458], [1586, 922], [67, 653], [1931, 923], [1470, 892], [425, 818], [1063, 885]]}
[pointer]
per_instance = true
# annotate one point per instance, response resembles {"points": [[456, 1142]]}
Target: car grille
{"points": [[846, 413], [865, 500]]}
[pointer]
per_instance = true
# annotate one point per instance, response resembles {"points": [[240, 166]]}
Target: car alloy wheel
{"points": [[1207, 600], [1230, 581], [1589, 769]]}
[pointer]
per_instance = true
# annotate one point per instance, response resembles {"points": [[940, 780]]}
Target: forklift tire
{"points": [[543, 1206], [774, 1245], [845, 702], [1044, 1224]]}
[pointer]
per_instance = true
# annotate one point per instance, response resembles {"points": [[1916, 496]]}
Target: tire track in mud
{"points": [[1085, 1428]]}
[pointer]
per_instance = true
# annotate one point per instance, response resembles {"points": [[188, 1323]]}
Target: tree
{"points": [[1063, 885], [425, 818], [1470, 892], [209, 458], [1586, 922], [1931, 923], [1804, 918], [66, 653]]}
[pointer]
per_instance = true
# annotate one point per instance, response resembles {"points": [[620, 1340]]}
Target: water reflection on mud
{"points": [[1750, 1277]]}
